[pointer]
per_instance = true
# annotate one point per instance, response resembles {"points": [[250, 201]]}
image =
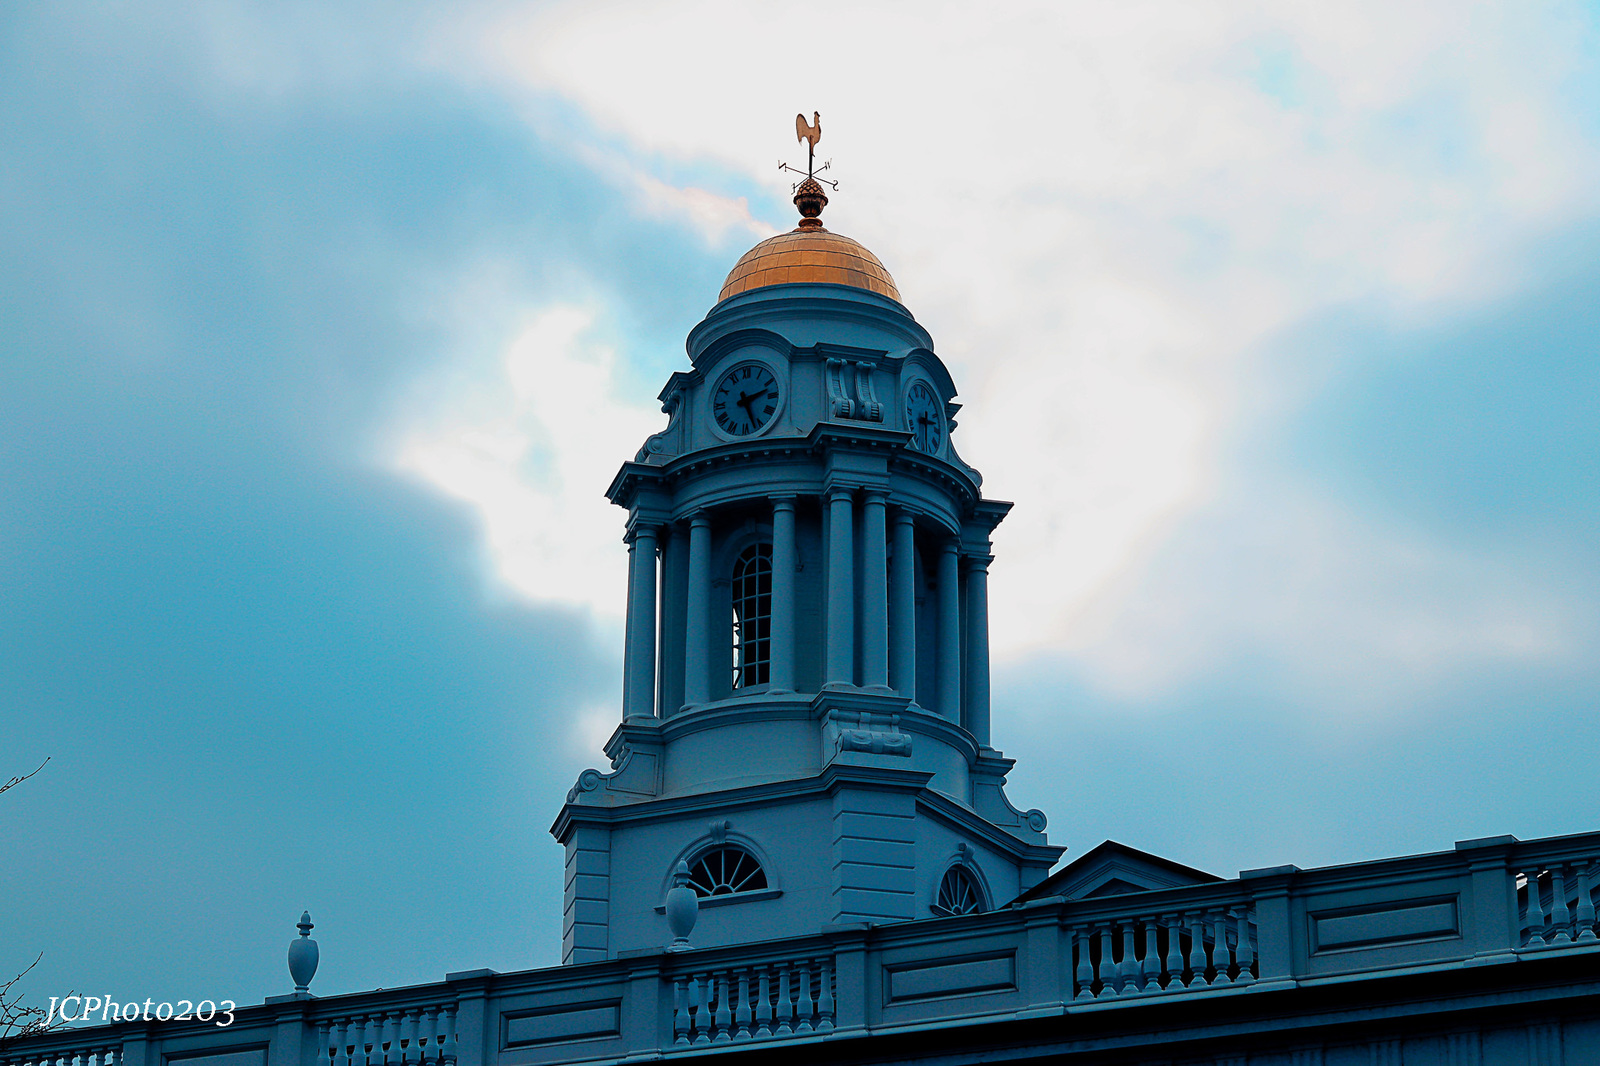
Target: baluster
{"points": [[325, 1037], [448, 1055], [1585, 905], [700, 1004], [825, 996], [334, 1048], [390, 1035], [741, 1016], [1246, 950], [680, 1014], [763, 1004], [1197, 949], [785, 1008], [359, 1041], [1174, 959], [1533, 919], [430, 1045], [1083, 977], [1219, 947], [408, 1036], [1108, 965], [722, 1020], [1128, 971], [1150, 965], [806, 1005], [1560, 916]]}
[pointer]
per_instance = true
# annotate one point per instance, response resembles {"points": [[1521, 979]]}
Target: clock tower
{"points": [[805, 720]]}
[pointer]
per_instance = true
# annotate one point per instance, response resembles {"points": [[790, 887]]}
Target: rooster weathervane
{"points": [[811, 133], [808, 194]]}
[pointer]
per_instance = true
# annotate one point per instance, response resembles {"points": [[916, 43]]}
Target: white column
{"points": [[949, 632], [874, 593], [669, 632], [977, 665], [697, 627], [639, 672], [903, 606], [839, 665], [783, 563]]}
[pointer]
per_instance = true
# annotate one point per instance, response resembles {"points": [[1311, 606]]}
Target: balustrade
{"points": [[1171, 952], [1555, 903], [758, 1002], [99, 1055], [411, 1036]]}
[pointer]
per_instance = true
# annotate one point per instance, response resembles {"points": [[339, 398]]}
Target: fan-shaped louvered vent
{"points": [[726, 870]]}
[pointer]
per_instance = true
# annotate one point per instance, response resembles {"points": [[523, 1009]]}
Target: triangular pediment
{"points": [[1113, 869]]}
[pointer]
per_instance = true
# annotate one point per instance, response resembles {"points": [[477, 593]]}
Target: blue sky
{"points": [[324, 328]]}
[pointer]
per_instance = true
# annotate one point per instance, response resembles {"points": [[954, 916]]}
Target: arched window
{"points": [[752, 616], [725, 870], [959, 892]]}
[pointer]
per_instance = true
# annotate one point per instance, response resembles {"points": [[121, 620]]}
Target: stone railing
{"points": [[1456, 913], [753, 1002], [103, 1054], [411, 1036], [1146, 953], [1555, 903]]}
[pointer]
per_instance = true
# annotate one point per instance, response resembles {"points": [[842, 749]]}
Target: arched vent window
{"points": [[725, 870], [958, 893], [752, 616]]}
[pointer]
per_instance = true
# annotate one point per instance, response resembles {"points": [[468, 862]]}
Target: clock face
{"points": [[924, 418], [745, 400]]}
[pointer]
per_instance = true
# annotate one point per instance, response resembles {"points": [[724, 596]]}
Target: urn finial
{"points": [[303, 955], [683, 908]]}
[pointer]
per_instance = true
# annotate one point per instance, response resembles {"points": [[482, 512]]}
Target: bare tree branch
{"points": [[18, 781], [17, 1019]]}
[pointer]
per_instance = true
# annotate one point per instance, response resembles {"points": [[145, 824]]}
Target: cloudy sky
{"points": [[323, 327]]}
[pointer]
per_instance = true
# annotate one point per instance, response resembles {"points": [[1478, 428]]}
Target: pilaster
{"points": [[874, 592], [697, 610], [839, 665], [586, 894], [903, 606], [783, 595]]}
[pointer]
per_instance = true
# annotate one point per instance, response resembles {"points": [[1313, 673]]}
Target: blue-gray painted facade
{"points": [[834, 737]]}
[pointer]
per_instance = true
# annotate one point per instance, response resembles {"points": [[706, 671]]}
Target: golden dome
{"points": [[808, 255]]}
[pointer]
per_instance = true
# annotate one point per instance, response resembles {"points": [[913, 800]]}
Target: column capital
{"points": [[649, 527], [971, 561], [878, 496], [837, 491], [783, 502], [699, 518], [904, 516]]}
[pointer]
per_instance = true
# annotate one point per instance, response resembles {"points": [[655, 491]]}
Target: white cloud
{"points": [[1358, 619], [1101, 210], [532, 450]]}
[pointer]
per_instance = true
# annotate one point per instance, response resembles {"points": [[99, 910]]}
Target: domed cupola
{"points": [[806, 677], [809, 253]]}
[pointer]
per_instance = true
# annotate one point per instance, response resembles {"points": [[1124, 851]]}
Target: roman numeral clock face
{"points": [[745, 399], [924, 418]]}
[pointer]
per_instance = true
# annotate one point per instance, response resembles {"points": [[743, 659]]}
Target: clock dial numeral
{"points": [[924, 418], [746, 399]]}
